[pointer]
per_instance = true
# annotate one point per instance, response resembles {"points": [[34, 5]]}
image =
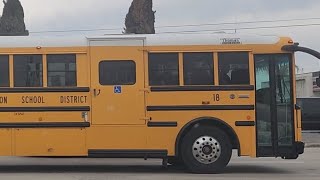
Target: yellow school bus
{"points": [[186, 99]]}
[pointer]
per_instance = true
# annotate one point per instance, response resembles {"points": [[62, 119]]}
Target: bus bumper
{"points": [[299, 147]]}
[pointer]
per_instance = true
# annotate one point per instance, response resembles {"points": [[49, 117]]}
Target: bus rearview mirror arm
{"points": [[296, 48]]}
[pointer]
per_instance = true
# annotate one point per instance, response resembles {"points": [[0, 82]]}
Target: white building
{"points": [[306, 85]]}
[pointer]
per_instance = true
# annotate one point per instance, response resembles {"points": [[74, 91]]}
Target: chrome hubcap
{"points": [[206, 150]]}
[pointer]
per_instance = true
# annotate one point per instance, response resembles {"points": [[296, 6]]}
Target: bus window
{"points": [[27, 70], [163, 69], [62, 70], [234, 68], [4, 71], [198, 68], [117, 73]]}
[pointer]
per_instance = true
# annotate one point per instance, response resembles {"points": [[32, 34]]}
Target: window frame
{"points": [[69, 71], [178, 68], [42, 71], [8, 66], [249, 70], [184, 68], [135, 72]]}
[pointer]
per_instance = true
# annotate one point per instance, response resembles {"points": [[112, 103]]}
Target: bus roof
{"points": [[149, 40]]}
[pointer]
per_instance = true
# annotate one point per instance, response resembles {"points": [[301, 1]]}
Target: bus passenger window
{"points": [[27, 70], [198, 68], [163, 69], [234, 68], [62, 70], [4, 71], [117, 72]]}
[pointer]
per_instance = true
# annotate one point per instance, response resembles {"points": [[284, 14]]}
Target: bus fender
{"points": [[210, 121]]}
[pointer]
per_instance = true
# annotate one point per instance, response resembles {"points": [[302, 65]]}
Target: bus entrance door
{"points": [[274, 105], [117, 79]]}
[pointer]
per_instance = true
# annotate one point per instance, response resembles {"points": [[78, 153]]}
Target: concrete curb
{"points": [[312, 145]]}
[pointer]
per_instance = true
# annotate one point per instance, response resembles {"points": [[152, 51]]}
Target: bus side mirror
{"points": [[318, 82]]}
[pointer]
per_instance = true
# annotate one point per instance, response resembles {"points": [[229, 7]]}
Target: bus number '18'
{"points": [[216, 97]]}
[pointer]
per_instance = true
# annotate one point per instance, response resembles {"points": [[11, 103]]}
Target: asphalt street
{"points": [[312, 138], [14, 168]]}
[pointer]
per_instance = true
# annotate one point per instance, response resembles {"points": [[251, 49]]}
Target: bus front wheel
{"points": [[206, 150], [175, 161]]}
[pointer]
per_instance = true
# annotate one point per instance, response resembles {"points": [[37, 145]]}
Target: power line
{"points": [[241, 28], [74, 30], [241, 22], [196, 25]]}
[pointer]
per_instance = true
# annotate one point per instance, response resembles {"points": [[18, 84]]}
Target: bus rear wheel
{"points": [[206, 150]]}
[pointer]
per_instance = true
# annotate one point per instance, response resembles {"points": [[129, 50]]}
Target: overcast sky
{"points": [[43, 15]]}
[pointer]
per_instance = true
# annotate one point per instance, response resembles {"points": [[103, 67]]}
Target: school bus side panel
{"points": [[165, 137], [42, 106], [50, 142], [116, 137], [6, 142]]}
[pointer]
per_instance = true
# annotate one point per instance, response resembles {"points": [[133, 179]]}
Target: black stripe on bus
{"points": [[46, 125], [162, 124], [200, 107], [245, 123], [127, 153], [44, 109], [43, 90], [202, 88]]}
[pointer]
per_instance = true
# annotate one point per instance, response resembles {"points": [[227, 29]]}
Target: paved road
{"points": [[311, 138], [307, 167]]}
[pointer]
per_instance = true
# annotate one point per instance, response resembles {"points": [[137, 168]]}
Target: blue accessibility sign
{"points": [[117, 89]]}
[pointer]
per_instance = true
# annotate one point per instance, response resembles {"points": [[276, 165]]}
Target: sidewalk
{"points": [[312, 139]]}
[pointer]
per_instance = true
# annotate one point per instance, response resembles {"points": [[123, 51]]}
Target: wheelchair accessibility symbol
{"points": [[117, 89]]}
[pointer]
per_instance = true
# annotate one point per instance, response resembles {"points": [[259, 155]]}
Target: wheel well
{"points": [[208, 121]]}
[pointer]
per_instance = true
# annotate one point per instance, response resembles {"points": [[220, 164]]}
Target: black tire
{"points": [[195, 166], [175, 161]]}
